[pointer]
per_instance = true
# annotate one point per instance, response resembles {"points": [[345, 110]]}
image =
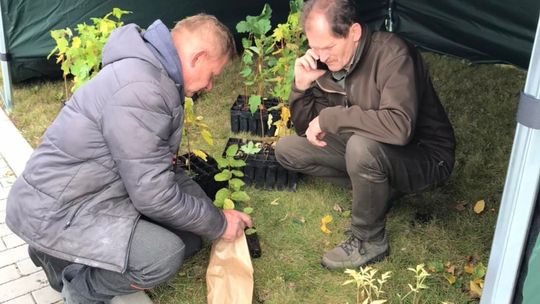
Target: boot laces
{"points": [[351, 244]]}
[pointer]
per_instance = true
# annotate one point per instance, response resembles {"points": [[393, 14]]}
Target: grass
{"points": [[481, 102]]}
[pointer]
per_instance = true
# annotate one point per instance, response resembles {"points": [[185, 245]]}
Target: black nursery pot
{"points": [[242, 120], [202, 172], [254, 246], [262, 170]]}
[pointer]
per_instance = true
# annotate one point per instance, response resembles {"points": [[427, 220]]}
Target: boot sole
{"points": [[373, 260], [55, 284]]}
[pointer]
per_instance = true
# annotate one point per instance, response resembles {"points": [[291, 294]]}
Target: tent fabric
{"points": [[482, 31]]}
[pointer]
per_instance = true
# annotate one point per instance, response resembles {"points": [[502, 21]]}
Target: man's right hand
{"points": [[236, 223], [305, 70]]}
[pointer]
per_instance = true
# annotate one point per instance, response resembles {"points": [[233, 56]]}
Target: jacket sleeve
{"points": [[305, 106], [136, 126], [394, 119]]}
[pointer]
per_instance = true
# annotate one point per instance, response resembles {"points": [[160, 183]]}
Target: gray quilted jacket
{"points": [[107, 158]]}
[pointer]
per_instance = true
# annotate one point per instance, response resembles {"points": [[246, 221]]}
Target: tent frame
{"points": [[520, 193]]}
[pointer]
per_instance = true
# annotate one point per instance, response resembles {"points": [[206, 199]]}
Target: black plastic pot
{"points": [[254, 246], [262, 170], [202, 172], [242, 120]]}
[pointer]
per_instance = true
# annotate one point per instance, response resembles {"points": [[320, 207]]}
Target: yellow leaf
{"points": [[474, 290], [275, 202], [200, 154], [207, 136], [325, 220], [469, 268], [76, 42], [450, 278], [228, 204], [479, 206]]}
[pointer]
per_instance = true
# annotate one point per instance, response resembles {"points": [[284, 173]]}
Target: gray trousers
{"points": [[378, 173], [155, 256]]}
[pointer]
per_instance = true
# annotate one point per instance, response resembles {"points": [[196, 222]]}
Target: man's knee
{"points": [[285, 151], [364, 155]]}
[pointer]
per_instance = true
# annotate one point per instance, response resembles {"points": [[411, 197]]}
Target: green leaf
{"points": [[237, 173], [237, 163], [232, 150], [224, 175], [240, 196], [250, 231], [207, 137], [250, 148], [228, 204], [248, 210], [222, 162], [222, 194], [254, 103], [236, 183]]}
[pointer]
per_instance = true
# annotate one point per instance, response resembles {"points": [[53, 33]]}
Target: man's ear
{"points": [[198, 57], [356, 31]]}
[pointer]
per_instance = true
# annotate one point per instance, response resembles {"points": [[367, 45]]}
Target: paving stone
{"points": [[4, 193], [46, 295], [22, 286], [4, 230], [26, 299], [2, 217], [26, 266], [12, 241], [2, 246], [9, 273], [12, 255]]}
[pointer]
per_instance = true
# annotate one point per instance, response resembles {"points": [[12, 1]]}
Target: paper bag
{"points": [[229, 277]]}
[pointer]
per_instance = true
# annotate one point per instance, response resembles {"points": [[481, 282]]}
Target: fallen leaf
{"points": [[324, 221], [450, 278], [479, 206], [460, 206], [475, 292], [299, 220], [435, 266], [451, 269], [337, 208], [345, 214], [275, 202]]}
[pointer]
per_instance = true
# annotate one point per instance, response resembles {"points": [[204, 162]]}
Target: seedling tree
{"points": [[291, 43], [194, 126], [257, 57], [80, 54]]}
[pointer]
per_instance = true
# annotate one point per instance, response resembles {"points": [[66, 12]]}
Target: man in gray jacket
{"points": [[99, 203], [373, 122]]}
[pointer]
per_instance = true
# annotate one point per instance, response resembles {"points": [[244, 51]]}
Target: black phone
{"points": [[321, 65]]}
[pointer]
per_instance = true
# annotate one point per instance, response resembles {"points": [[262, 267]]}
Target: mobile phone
{"points": [[321, 65]]}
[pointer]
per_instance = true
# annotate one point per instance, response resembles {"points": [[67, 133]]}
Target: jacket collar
{"points": [[158, 39], [327, 82]]}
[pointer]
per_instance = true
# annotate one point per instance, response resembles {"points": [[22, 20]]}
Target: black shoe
{"points": [[52, 267]]}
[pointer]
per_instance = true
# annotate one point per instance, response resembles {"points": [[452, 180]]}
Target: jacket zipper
{"points": [[68, 223], [346, 104]]}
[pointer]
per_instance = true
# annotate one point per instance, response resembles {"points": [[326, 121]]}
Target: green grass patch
{"points": [[481, 102]]}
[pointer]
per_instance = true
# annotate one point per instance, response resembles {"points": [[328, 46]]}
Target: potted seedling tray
{"points": [[262, 170], [242, 120], [202, 172]]}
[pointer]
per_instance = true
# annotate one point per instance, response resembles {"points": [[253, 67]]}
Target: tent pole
{"points": [[519, 195], [4, 58]]}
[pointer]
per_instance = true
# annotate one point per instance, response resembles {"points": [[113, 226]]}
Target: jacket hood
{"points": [[126, 42]]}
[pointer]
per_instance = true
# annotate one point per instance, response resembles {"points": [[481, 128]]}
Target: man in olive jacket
{"points": [[98, 202], [373, 122]]}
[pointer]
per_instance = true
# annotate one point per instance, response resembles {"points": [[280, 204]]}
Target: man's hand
{"points": [[314, 134], [305, 70], [236, 223]]}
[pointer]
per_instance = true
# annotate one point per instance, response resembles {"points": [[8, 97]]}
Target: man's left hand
{"points": [[314, 134]]}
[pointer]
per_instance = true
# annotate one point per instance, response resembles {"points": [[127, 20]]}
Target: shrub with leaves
{"points": [[80, 53], [229, 197], [369, 287], [257, 58]]}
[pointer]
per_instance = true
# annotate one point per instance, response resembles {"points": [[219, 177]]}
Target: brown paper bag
{"points": [[229, 277]]}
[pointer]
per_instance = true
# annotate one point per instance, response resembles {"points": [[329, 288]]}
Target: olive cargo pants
{"points": [[377, 172]]}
